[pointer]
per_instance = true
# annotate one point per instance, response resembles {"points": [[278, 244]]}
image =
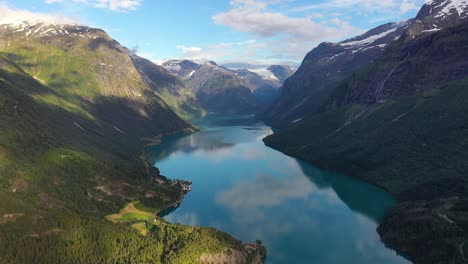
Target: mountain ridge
{"points": [[246, 90], [325, 67]]}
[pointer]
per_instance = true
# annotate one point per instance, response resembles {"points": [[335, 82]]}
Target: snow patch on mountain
{"points": [[265, 74], [448, 7], [41, 29], [368, 40], [190, 74]]}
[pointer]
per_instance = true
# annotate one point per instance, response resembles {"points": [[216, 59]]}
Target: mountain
{"points": [[325, 67], [214, 84], [217, 89], [264, 87], [170, 88], [399, 122], [281, 72], [93, 72], [184, 68], [265, 83], [75, 118], [416, 62]]}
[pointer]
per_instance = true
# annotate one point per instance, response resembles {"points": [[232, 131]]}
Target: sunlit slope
{"points": [[70, 154]]}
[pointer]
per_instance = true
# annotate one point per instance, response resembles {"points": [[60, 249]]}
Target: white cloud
{"points": [[215, 51], [285, 31], [407, 6], [10, 15], [191, 52], [114, 5], [253, 16], [364, 6], [280, 37]]}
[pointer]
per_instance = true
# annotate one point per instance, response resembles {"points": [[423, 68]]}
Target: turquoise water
{"points": [[301, 213]]}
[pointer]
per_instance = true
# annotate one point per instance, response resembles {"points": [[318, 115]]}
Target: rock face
{"points": [[399, 121], [219, 89]]}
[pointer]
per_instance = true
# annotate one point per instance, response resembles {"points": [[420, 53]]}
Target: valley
{"points": [[110, 154]]}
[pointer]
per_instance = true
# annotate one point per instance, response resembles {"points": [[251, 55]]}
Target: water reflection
{"points": [[206, 141], [253, 192], [358, 196]]}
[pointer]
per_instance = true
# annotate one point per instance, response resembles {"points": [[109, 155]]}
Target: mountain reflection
{"points": [[357, 195], [187, 144]]}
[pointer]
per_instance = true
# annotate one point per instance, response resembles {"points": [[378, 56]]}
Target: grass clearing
{"points": [[130, 213]]}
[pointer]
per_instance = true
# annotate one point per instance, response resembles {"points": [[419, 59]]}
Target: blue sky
{"points": [[253, 31]]}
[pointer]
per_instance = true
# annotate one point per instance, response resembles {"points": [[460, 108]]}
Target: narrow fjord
{"points": [[300, 212], [278, 131]]}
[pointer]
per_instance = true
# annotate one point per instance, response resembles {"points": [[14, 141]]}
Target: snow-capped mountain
{"points": [[430, 53], [217, 88], [438, 14], [329, 64], [264, 83], [276, 73], [377, 38], [39, 29], [110, 68], [326, 66], [184, 69], [442, 9], [88, 74]]}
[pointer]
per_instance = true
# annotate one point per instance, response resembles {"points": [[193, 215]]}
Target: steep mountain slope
{"points": [[324, 68], [217, 89], [401, 124], [421, 60], [170, 88], [92, 71], [71, 153]]}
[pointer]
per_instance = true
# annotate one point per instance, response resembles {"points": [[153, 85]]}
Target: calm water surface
{"points": [[301, 213]]}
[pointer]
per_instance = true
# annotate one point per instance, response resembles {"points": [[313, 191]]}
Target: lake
{"points": [[301, 213]]}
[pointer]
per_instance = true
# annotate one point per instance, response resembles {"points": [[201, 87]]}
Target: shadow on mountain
{"points": [[110, 124]]}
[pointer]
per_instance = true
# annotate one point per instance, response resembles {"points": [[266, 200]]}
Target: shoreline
{"points": [[176, 203], [257, 256], [401, 226], [155, 172]]}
